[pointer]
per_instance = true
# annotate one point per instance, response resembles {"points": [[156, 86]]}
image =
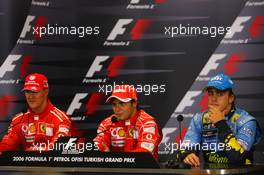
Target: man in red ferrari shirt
{"points": [[41, 125], [128, 129]]}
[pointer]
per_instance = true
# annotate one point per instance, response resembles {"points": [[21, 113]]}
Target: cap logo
{"points": [[217, 78], [32, 77], [119, 90]]}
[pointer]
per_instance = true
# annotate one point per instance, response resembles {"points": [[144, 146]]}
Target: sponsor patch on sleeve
{"points": [[147, 146], [63, 129], [149, 130], [243, 143], [247, 131]]}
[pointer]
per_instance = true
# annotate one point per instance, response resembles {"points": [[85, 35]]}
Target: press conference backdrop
{"points": [[167, 49]]}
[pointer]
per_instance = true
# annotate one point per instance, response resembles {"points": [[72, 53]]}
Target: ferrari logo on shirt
{"points": [[42, 128], [45, 128], [131, 132]]}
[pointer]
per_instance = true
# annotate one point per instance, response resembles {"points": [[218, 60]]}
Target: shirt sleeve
{"points": [[11, 141], [103, 138], [62, 129], [192, 138], [149, 137], [239, 144]]}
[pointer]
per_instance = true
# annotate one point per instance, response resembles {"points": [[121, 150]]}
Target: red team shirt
{"points": [[30, 130], [140, 133]]}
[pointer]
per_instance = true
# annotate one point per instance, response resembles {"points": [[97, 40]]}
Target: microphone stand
{"points": [[180, 119], [178, 162]]}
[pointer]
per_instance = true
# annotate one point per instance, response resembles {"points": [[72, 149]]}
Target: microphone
{"points": [[178, 162], [180, 119], [114, 119]]}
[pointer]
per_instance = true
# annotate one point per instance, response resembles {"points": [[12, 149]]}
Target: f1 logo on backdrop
{"points": [[238, 26], [9, 64], [91, 105], [32, 26], [216, 63], [113, 69], [229, 64], [27, 26], [126, 30], [244, 29], [76, 102], [97, 65]]}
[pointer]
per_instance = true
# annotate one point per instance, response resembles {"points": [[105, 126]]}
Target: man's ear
{"points": [[46, 91], [231, 98], [134, 103]]}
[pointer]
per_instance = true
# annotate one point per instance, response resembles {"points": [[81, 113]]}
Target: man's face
{"points": [[37, 100], [122, 110], [220, 99]]}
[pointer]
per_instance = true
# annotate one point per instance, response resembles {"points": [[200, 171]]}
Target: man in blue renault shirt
{"points": [[224, 133]]}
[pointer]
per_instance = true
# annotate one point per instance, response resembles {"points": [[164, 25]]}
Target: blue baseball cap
{"points": [[221, 82]]}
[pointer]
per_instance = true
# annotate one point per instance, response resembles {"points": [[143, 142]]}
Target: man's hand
{"points": [[192, 160], [215, 115]]}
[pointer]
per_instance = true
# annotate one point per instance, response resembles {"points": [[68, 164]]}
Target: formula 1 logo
{"points": [[220, 62], [142, 5], [85, 103], [126, 30], [31, 29], [112, 70], [238, 26], [212, 64], [12, 62], [9, 64], [244, 29]]}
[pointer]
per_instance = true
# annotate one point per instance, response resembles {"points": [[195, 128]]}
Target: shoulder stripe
{"points": [[19, 115], [57, 116], [62, 114]]}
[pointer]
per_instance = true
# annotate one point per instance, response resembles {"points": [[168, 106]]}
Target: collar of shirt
{"points": [[39, 116], [230, 114], [132, 120]]}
